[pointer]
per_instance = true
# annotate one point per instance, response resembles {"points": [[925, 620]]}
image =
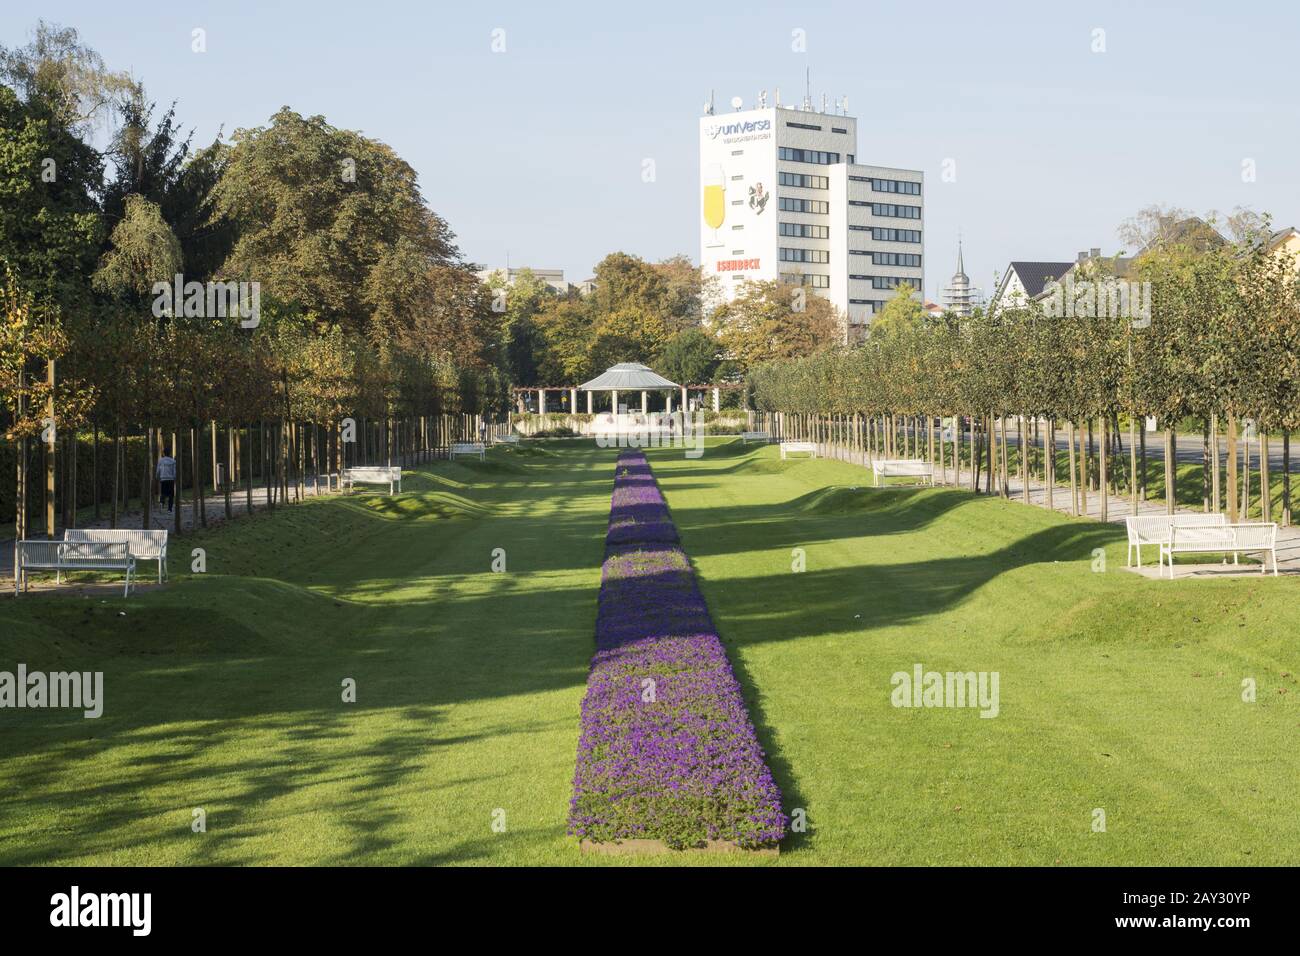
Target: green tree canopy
{"points": [[903, 313], [317, 210], [691, 357]]}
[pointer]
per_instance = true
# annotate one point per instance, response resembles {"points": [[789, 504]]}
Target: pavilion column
{"points": [[589, 406], [684, 403], [645, 401], [614, 399], [668, 404], [717, 400], [573, 401], [541, 401]]}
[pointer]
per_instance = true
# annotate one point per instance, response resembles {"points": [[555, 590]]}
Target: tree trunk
{"points": [[1205, 466], [1049, 461], [1133, 464], [1083, 468], [1232, 469], [1088, 458], [178, 497], [1265, 490], [283, 460], [1215, 495], [195, 471], [974, 457], [50, 446], [248, 467], [20, 475], [146, 485], [231, 470], [956, 451], [1245, 477], [1004, 471], [1022, 436], [72, 491], [1170, 479], [1286, 478], [1074, 485], [1103, 473], [94, 468], [1142, 474], [117, 473]]}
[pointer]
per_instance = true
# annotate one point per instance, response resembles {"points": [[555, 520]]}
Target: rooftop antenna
{"points": [[846, 105], [778, 97], [737, 103], [823, 102], [708, 107], [807, 88]]}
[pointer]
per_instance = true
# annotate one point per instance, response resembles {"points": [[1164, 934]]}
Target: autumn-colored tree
{"points": [[775, 320]]}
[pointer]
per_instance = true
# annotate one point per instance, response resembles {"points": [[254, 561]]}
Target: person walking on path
{"points": [[167, 479]]}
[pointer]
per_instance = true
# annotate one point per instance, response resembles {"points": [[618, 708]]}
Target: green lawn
{"points": [[1117, 692], [223, 690]]}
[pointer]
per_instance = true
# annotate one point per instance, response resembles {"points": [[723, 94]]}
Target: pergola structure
{"points": [[623, 378]]}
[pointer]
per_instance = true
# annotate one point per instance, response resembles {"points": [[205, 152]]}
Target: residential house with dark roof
{"points": [[1025, 282]]}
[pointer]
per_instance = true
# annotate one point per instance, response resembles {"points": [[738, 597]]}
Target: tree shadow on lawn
{"points": [[193, 670], [888, 594], [270, 661], [302, 748], [827, 514], [885, 595], [454, 644]]}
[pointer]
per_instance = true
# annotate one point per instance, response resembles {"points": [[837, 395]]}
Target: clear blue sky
{"points": [[538, 150]]}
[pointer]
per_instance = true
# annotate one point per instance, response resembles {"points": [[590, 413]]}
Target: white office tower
{"points": [[783, 196]]}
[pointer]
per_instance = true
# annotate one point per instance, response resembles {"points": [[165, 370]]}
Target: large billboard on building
{"points": [[738, 196]]}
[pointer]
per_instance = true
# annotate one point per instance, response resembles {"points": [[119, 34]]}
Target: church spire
{"points": [[959, 297]]}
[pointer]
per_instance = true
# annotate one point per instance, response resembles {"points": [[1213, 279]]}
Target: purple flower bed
{"points": [[677, 759], [638, 513]]}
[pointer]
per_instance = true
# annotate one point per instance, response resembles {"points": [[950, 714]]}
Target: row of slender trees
{"points": [[1218, 347], [360, 332], [278, 405]]}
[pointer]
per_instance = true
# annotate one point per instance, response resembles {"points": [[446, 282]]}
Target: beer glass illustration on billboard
{"points": [[715, 200]]}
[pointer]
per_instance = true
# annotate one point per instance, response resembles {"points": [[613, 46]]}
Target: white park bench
{"points": [[747, 437], [789, 448], [509, 439], [1155, 529], [143, 545], [1223, 539], [471, 449], [389, 475], [903, 468], [60, 556]]}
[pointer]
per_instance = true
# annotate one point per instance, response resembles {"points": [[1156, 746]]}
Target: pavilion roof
{"points": [[630, 376]]}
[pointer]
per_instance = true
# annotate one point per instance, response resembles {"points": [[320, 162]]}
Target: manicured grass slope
{"points": [[1116, 692], [223, 690]]}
